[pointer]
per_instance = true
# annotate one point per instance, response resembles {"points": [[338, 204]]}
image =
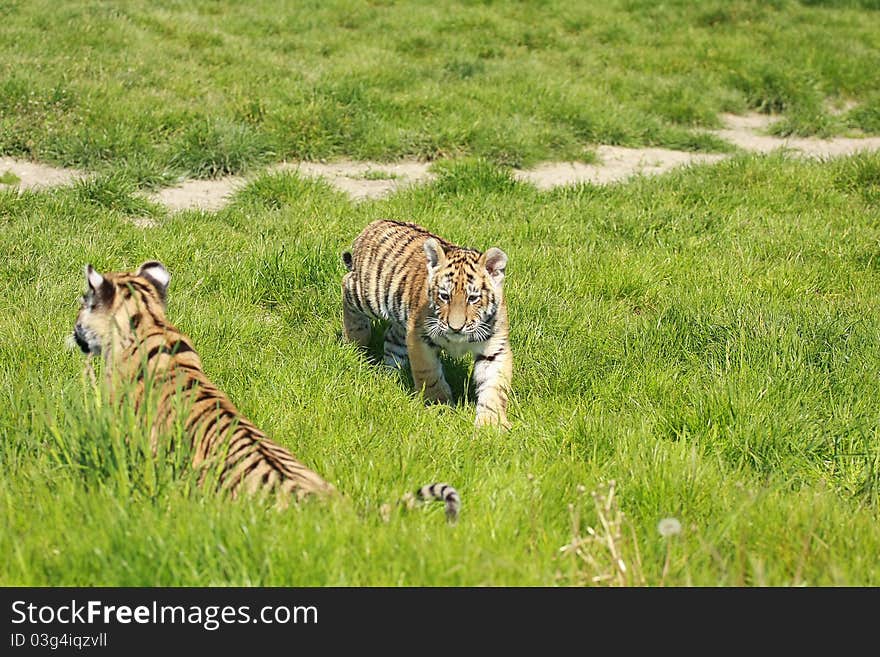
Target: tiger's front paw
{"points": [[490, 419], [440, 393]]}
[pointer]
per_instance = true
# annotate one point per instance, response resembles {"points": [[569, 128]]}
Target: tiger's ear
{"points": [[495, 261], [434, 251], [100, 286], [93, 279], [156, 273]]}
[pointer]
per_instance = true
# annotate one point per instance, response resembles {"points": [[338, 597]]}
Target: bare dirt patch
{"points": [[207, 195], [749, 133], [360, 180], [364, 180], [616, 164], [31, 175]]}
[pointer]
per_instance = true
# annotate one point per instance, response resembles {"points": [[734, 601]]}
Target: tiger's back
{"points": [[387, 265], [123, 316]]}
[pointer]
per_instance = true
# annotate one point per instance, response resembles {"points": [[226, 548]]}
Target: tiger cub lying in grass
{"points": [[122, 316], [435, 295]]}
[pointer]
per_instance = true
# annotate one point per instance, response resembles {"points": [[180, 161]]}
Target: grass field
{"points": [[708, 341], [163, 89]]}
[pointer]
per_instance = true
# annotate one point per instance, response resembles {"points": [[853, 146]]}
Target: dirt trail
{"points": [[749, 133], [199, 194], [31, 175], [365, 180], [360, 180], [615, 163], [370, 180]]}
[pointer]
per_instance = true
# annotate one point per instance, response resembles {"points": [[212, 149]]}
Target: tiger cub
{"points": [[122, 316], [435, 295]]}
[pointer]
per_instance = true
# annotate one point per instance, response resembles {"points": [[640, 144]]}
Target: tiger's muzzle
{"points": [[81, 337]]}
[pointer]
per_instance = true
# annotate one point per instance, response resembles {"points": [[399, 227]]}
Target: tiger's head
{"points": [[465, 290], [115, 305]]}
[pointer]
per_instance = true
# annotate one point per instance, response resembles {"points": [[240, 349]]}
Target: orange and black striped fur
{"points": [[122, 316], [434, 295]]}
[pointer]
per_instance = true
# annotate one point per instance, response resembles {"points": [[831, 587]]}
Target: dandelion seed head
{"points": [[669, 527], [385, 512]]}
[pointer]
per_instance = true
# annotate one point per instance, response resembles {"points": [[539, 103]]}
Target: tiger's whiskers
{"points": [[90, 370]]}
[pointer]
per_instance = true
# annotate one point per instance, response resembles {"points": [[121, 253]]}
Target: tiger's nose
{"points": [[456, 322]]}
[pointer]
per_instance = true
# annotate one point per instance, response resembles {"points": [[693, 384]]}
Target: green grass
{"points": [[162, 89], [9, 178], [708, 340], [378, 174]]}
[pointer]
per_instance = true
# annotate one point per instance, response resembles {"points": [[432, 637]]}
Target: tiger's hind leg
{"points": [[395, 350], [355, 324]]}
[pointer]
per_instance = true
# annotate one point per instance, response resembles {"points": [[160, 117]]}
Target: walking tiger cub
{"points": [[434, 295], [122, 316]]}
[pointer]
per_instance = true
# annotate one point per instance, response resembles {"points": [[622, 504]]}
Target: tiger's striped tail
{"points": [[442, 493]]}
